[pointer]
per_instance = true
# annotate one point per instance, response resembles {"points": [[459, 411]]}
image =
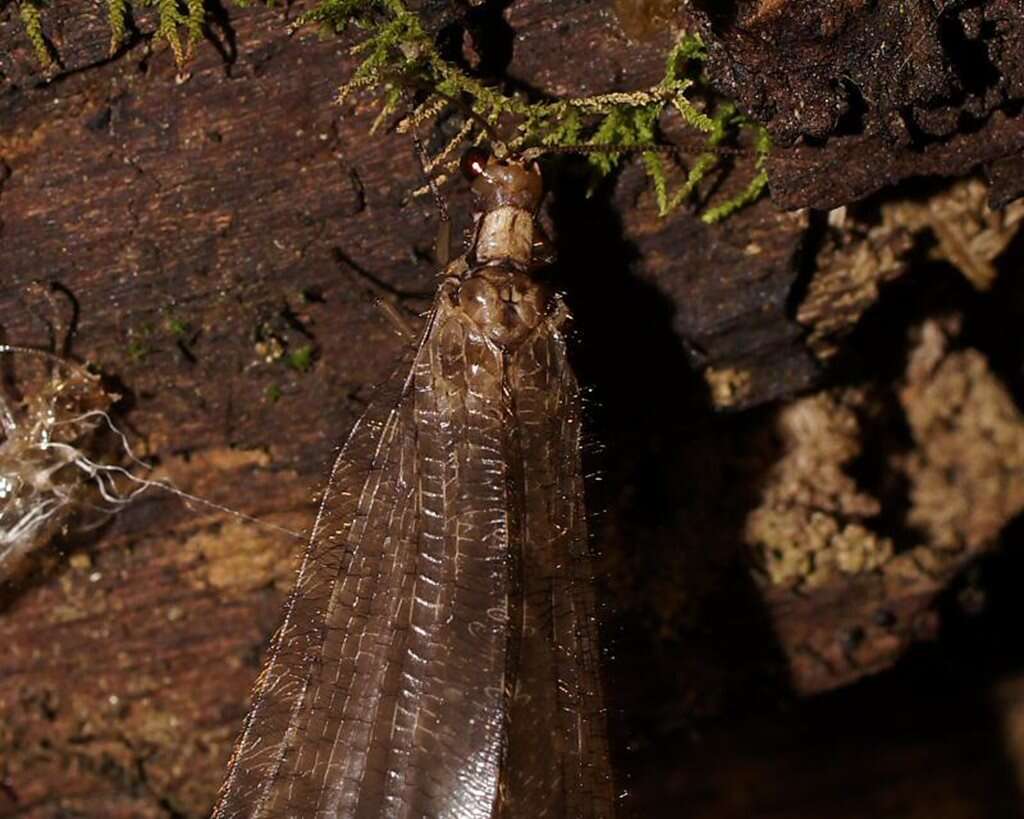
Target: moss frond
{"points": [[756, 186], [31, 20], [170, 17], [196, 19], [173, 15], [336, 15], [656, 173], [117, 16], [624, 128]]}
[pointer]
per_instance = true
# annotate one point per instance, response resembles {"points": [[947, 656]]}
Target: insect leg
{"points": [[381, 296]]}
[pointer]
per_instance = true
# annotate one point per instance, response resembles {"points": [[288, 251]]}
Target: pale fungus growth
{"points": [[64, 464], [52, 416]]}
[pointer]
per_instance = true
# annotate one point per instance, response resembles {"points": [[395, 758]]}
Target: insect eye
{"points": [[473, 163]]}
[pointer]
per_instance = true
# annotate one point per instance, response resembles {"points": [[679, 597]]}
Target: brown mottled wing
{"points": [[384, 691], [557, 760]]}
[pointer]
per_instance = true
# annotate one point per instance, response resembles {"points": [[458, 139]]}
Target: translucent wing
{"points": [[438, 655], [557, 762]]}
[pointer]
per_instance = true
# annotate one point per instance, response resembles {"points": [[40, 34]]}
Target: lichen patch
{"points": [[241, 556]]}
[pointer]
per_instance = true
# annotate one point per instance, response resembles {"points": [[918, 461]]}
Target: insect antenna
{"points": [[62, 360], [443, 243]]}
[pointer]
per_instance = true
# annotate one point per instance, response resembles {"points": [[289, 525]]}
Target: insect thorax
{"points": [[496, 291], [506, 304]]}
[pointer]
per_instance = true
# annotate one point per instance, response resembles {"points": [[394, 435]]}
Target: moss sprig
{"points": [[117, 16], [756, 186], [397, 54], [28, 10], [173, 17]]}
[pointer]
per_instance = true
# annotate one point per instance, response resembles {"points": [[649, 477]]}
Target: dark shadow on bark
{"points": [[220, 33], [663, 494]]}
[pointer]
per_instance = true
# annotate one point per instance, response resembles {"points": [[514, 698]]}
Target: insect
{"points": [[438, 656]]}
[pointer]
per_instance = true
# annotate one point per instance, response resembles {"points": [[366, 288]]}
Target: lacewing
{"points": [[439, 654]]}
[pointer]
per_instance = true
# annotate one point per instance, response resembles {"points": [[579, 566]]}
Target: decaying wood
{"points": [[864, 590], [218, 233], [917, 87]]}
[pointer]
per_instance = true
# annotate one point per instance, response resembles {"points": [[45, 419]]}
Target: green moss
{"points": [[179, 329], [137, 351], [31, 20], [117, 16], [301, 358], [397, 55], [195, 20], [273, 393], [173, 16]]}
